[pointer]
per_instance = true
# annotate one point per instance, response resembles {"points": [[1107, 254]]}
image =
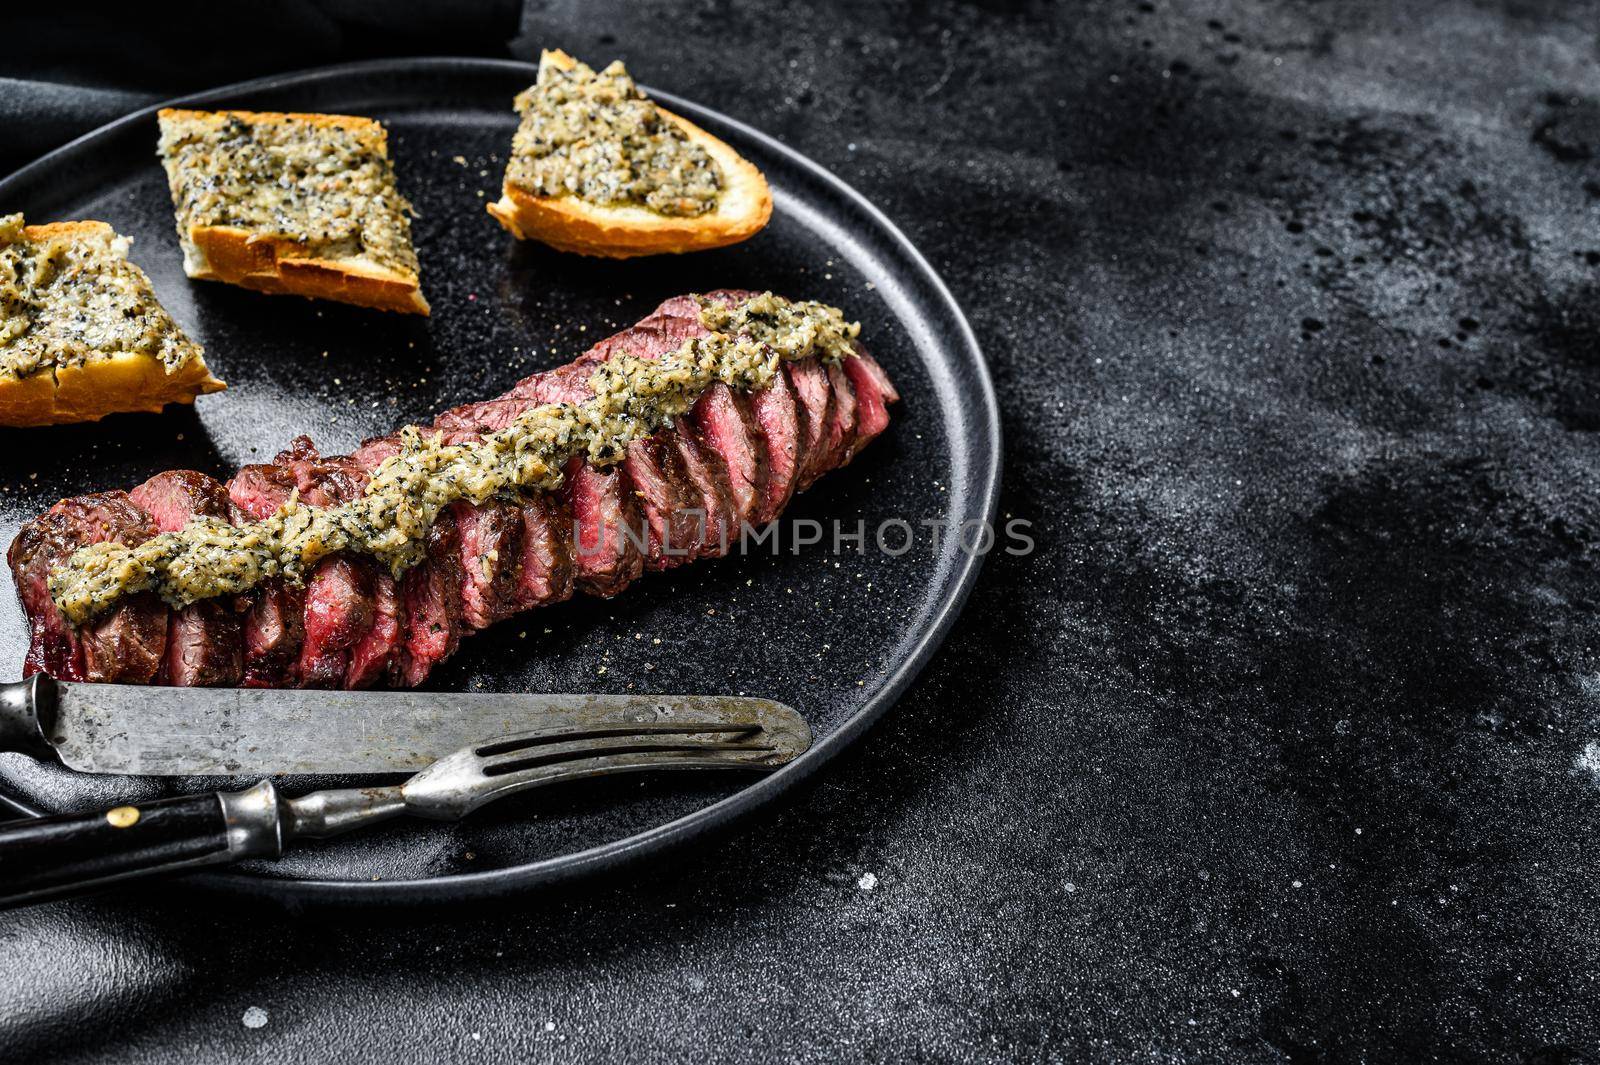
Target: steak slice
{"points": [[258, 491], [812, 393], [779, 416], [716, 522], [874, 392], [274, 628], [545, 574], [491, 552], [374, 658], [274, 623], [606, 529], [723, 424], [204, 640], [609, 534], [666, 500], [431, 595], [338, 607], [491, 536], [42, 544], [322, 482], [842, 421], [338, 613], [701, 474], [126, 644], [370, 455]]}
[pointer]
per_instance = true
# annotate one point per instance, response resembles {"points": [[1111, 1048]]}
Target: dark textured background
{"points": [[1286, 743]]}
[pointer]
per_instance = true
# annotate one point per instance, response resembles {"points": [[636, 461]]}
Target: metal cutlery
{"points": [[50, 857]]}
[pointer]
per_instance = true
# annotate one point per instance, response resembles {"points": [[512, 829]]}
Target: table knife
{"points": [[154, 731]]}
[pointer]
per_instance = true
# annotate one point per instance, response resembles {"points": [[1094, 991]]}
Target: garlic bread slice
{"points": [[599, 169], [82, 334], [301, 204]]}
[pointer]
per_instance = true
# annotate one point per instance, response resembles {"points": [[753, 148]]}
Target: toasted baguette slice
{"points": [[199, 147], [98, 343], [568, 223]]}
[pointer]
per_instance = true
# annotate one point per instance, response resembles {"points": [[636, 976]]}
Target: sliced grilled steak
{"points": [[736, 457], [126, 645], [540, 567], [370, 455], [701, 470], [204, 640], [338, 613], [607, 549], [274, 628], [258, 491]]}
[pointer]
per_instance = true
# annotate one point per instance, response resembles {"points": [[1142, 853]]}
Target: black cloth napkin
{"points": [[86, 64]]}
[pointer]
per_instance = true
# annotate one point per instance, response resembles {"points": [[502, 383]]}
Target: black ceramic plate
{"points": [[838, 634]]}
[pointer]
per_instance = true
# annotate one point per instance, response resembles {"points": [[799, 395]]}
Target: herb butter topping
{"points": [[597, 137], [633, 398], [72, 297], [322, 181]]}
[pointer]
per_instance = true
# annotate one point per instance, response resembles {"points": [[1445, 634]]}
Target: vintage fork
{"points": [[52, 857]]}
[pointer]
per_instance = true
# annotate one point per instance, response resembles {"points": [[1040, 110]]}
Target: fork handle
{"points": [[45, 858]]}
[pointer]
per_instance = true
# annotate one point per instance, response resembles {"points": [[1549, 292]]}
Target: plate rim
{"points": [[985, 433]]}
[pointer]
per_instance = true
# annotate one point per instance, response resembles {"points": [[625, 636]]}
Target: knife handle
{"points": [[72, 854], [27, 712]]}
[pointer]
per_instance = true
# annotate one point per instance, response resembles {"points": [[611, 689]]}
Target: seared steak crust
{"points": [[682, 494]]}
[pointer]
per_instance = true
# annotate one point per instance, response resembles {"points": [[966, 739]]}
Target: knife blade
{"points": [[150, 731]]}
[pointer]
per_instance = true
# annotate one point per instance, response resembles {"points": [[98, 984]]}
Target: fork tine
{"points": [[460, 783], [522, 741], [555, 753], [611, 762]]}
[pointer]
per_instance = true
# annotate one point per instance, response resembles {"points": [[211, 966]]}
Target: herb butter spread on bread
{"points": [[291, 203], [597, 137], [598, 168], [81, 333]]}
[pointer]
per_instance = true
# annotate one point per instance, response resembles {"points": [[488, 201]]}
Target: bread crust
{"points": [[280, 265], [568, 223], [88, 392]]}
